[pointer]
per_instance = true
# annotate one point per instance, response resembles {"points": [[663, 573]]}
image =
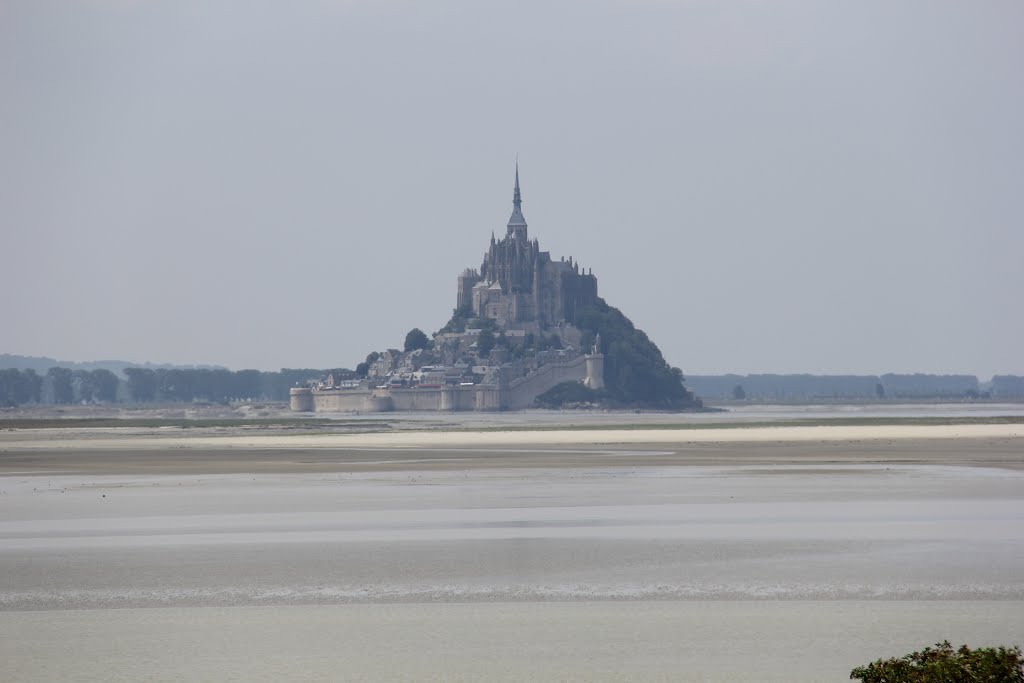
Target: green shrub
{"points": [[942, 664]]}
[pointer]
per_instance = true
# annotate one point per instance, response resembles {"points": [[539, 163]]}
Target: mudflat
{"points": [[157, 452], [494, 556], [762, 641]]}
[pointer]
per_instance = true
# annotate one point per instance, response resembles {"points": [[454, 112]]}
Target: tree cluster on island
{"points": [[636, 374]]}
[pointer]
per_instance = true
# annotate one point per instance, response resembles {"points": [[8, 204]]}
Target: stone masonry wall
{"points": [[519, 394], [524, 390]]}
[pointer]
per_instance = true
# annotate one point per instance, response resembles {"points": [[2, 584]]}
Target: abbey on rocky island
{"points": [[512, 338]]}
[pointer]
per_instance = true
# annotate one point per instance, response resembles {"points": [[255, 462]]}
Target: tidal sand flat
{"points": [[792, 559], [762, 641]]}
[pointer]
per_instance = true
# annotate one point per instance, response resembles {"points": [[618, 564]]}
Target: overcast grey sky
{"points": [[761, 186]]}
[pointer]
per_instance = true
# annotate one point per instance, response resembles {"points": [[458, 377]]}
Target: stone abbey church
{"points": [[521, 287]]}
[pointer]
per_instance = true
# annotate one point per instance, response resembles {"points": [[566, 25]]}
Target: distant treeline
{"points": [[41, 364], [854, 387], [61, 385]]}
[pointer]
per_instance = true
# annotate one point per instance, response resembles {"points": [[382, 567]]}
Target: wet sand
{"points": [[766, 642], [43, 453], [675, 560]]}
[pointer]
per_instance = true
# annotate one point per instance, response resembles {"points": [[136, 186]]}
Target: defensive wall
{"points": [[518, 394], [523, 390]]}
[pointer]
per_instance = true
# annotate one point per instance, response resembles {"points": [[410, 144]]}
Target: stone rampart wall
{"points": [[518, 395], [524, 390], [341, 401], [416, 399]]}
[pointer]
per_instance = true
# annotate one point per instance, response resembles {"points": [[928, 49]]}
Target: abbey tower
{"points": [[521, 287]]}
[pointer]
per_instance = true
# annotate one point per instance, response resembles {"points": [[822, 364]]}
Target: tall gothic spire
{"points": [[516, 223], [517, 198]]}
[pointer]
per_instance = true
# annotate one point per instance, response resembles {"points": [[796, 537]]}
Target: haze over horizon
{"points": [[788, 187]]}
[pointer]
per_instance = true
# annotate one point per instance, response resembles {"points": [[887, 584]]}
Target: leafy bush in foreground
{"points": [[944, 665]]}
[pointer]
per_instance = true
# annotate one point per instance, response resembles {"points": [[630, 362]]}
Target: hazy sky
{"points": [[761, 186]]}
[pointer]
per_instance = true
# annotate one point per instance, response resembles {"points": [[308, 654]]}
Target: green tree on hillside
{"points": [[416, 339], [485, 342], [458, 321], [363, 369]]}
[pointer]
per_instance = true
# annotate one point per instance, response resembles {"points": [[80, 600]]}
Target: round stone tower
{"points": [[301, 399], [595, 371]]}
